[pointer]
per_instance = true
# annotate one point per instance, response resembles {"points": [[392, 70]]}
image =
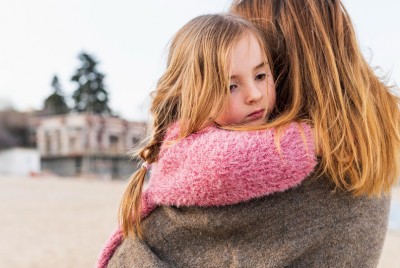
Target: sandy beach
{"points": [[64, 222], [55, 222]]}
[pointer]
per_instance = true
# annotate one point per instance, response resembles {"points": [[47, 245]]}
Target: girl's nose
{"points": [[254, 95]]}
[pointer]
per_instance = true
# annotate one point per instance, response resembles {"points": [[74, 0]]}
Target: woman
{"points": [[323, 76]]}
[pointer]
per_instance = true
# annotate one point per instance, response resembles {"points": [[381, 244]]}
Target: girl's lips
{"points": [[257, 114]]}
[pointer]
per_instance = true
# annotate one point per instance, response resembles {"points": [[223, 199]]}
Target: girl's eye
{"points": [[260, 76], [232, 87]]}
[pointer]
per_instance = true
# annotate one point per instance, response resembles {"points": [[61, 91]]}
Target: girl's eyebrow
{"points": [[262, 64]]}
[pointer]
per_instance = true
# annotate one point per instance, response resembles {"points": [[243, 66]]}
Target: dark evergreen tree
{"points": [[91, 95], [55, 103]]}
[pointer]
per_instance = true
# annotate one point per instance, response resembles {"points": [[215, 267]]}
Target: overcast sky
{"points": [[129, 39]]}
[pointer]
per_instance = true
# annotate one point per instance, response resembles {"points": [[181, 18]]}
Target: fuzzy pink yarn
{"points": [[217, 167]]}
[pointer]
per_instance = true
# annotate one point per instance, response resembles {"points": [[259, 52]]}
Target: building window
{"points": [[73, 144], [113, 143], [58, 141], [47, 146]]}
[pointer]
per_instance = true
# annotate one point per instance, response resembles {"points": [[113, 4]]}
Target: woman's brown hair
{"points": [[323, 77]]}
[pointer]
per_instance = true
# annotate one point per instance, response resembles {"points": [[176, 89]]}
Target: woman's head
{"points": [[217, 71], [321, 75]]}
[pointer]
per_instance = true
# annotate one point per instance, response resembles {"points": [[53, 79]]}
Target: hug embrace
{"points": [[273, 144]]}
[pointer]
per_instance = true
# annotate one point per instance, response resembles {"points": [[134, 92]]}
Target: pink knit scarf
{"points": [[215, 167]]}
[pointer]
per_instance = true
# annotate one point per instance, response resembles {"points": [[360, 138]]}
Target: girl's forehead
{"points": [[254, 36], [249, 41], [246, 56]]}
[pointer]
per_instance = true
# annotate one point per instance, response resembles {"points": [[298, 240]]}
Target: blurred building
{"points": [[87, 144]]}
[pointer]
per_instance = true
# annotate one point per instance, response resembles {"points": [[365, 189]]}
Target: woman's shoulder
{"points": [[312, 223]]}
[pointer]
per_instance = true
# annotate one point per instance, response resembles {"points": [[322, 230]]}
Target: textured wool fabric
{"points": [[306, 226], [216, 167]]}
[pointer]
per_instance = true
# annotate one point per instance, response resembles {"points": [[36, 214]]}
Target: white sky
{"points": [[129, 39]]}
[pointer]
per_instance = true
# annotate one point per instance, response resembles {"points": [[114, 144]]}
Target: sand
{"points": [[51, 222], [64, 222]]}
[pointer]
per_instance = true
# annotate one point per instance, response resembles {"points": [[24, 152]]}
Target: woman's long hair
{"points": [[322, 76], [193, 91]]}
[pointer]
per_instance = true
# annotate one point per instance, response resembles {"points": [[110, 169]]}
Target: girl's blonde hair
{"points": [[322, 76], [193, 91]]}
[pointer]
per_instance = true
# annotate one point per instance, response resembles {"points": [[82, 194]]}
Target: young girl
{"points": [[323, 77], [217, 80]]}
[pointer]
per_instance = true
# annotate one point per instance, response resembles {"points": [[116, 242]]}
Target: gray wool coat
{"points": [[307, 226]]}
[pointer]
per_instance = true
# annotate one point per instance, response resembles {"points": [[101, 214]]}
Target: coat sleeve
{"points": [[220, 167]]}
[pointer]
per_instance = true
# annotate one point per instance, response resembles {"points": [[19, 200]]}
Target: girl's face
{"points": [[252, 88]]}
